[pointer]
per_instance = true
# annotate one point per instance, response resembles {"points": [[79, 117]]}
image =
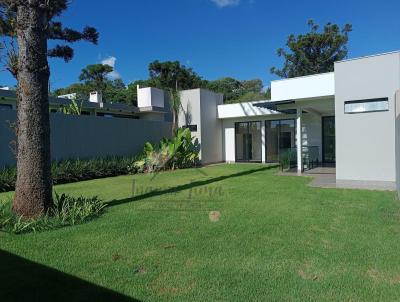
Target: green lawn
{"points": [[276, 240]]}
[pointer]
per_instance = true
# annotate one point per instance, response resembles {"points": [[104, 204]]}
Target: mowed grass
{"points": [[274, 239]]}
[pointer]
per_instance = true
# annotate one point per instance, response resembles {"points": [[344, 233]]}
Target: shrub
{"points": [[67, 211], [76, 170], [181, 151]]}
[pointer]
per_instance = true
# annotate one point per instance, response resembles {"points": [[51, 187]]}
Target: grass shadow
{"points": [[186, 186], [24, 280]]}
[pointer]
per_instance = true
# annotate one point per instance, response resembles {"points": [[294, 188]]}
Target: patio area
{"points": [[325, 177]]}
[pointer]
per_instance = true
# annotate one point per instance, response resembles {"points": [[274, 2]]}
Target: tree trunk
{"points": [[33, 193], [174, 122]]}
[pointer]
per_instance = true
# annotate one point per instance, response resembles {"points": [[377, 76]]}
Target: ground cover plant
{"points": [[225, 232], [67, 211]]}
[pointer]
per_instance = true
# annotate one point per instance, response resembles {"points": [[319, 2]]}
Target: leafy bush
{"points": [[179, 152], [66, 211], [8, 176], [76, 170], [287, 157]]}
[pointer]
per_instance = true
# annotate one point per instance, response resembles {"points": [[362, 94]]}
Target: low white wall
{"points": [[87, 136]]}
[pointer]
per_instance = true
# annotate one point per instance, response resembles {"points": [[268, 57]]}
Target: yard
{"points": [[271, 238]]}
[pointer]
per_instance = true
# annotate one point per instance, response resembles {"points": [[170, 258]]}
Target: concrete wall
{"points": [[199, 107], [365, 142], [150, 96], [87, 136], [211, 127], [190, 113]]}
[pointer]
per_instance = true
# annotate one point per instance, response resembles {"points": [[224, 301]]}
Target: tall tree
{"points": [[166, 75], [96, 76], [32, 23], [314, 52]]}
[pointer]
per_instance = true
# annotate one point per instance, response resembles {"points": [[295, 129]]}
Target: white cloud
{"points": [[110, 61], [225, 3]]}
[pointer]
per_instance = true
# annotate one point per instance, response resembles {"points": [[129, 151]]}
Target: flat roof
{"points": [[306, 76], [370, 56]]}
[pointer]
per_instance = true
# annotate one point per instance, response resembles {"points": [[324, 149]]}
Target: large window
{"points": [[280, 135], [362, 106], [248, 142]]}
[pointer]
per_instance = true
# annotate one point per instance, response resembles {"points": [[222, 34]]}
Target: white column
{"points": [[263, 158], [299, 141]]}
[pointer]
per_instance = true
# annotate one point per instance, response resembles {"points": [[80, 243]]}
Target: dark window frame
{"points": [[386, 99], [248, 124], [192, 128], [265, 140], [324, 138]]}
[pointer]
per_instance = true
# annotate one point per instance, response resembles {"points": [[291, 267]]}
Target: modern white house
{"points": [[347, 119]]}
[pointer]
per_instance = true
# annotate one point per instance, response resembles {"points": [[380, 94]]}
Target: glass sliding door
{"points": [[280, 135], [248, 143], [272, 141], [328, 139]]}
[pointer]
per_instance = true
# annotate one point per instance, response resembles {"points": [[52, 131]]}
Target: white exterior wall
{"points": [[211, 127], [200, 108], [397, 104], [313, 86], [190, 113], [150, 97], [365, 142]]}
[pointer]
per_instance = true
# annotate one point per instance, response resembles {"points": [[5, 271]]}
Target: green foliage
{"points": [[67, 171], [114, 91], [313, 52], [73, 108], [54, 30], [66, 211], [235, 91], [287, 157], [95, 73], [8, 176], [168, 75], [95, 76], [175, 105], [182, 151], [172, 75]]}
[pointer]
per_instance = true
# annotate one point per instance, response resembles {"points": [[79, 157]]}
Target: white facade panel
{"points": [[242, 110], [365, 141], [314, 86], [150, 97]]}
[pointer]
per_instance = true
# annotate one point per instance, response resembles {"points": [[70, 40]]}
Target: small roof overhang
{"points": [[274, 106]]}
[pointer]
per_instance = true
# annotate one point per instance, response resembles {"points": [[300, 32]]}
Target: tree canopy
{"points": [[313, 52], [167, 75], [54, 31], [172, 75]]}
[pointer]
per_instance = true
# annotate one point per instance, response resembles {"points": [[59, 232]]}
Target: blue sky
{"points": [[217, 38]]}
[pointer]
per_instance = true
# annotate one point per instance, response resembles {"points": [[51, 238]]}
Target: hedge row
{"points": [[67, 171]]}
